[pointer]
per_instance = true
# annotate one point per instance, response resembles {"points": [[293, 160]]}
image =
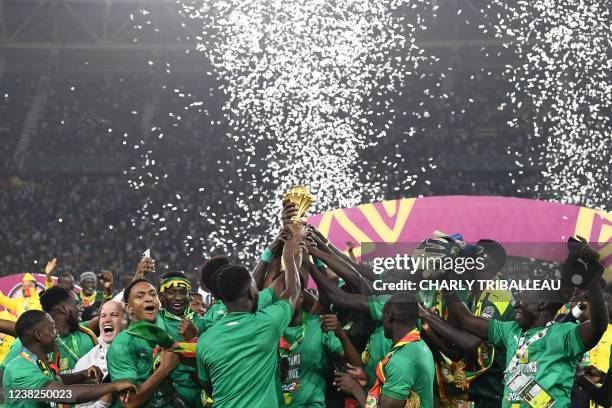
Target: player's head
{"points": [[141, 299], [235, 284], [196, 303], [36, 327], [63, 305], [111, 320], [88, 282], [174, 291], [536, 307], [66, 280], [400, 313], [494, 259], [208, 271]]}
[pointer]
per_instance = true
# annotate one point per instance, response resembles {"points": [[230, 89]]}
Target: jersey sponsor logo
{"points": [[231, 324]]}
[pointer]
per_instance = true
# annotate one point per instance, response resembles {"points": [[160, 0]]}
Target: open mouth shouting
{"points": [[109, 331], [150, 311]]}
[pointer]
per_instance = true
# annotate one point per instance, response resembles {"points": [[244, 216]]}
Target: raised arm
{"points": [[292, 256], [465, 342], [341, 268], [7, 327], [8, 302], [458, 311], [106, 281], [336, 295], [48, 270], [592, 330], [271, 254]]}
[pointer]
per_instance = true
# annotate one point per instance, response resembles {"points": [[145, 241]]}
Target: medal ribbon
{"points": [[376, 389], [285, 348], [524, 346], [43, 365], [71, 351]]}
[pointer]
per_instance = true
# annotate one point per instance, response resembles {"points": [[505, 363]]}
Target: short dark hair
{"points": [[404, 307], [128, 288], [495, 251], [53, 296], [26, 324], [232, 281], [192, 294], [209, 270], [173, 275]]}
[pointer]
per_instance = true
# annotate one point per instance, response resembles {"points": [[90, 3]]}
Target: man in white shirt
{"points": [[112, 322]]}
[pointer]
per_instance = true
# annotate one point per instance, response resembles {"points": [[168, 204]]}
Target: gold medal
{"points": [[63, 364], [365, 356], [371, 402]]}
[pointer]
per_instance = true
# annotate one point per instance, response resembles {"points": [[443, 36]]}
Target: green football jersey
{"points": [[237, 357]]}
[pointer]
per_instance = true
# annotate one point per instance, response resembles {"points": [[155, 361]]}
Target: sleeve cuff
{"points": [[395, 395]]}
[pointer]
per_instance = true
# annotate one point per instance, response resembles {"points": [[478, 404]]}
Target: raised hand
{"points": [[187, 329], [147, 265], [106, 279], [50, 266], [289, 210]]}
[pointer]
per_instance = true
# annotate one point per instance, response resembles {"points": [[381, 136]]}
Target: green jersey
{"points": [[25, 372], [71, 348], [551, 360], [183, 376], [237, 357], [131, 358], [308, 362], [378, 345], [491, 305], [411, 368], [218, 310]]}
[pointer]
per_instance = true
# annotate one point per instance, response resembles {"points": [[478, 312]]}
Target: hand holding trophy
{"points": [[296, 202]]}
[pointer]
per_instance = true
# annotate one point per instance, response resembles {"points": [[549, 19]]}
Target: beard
{"points": [[73, 321]]}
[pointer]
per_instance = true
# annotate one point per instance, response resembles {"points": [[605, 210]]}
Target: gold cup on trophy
{"points": [[301, 197]]}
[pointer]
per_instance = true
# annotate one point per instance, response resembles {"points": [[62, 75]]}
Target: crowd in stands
{"points": [[186, 151]]}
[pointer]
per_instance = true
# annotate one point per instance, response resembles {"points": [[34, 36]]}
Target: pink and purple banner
{"points": [[506, 220]]}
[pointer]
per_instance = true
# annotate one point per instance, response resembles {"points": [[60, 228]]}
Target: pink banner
{"points": [[507, 220]]}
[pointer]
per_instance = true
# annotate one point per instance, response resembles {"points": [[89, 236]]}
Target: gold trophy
{"points": [[300, 196]]}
